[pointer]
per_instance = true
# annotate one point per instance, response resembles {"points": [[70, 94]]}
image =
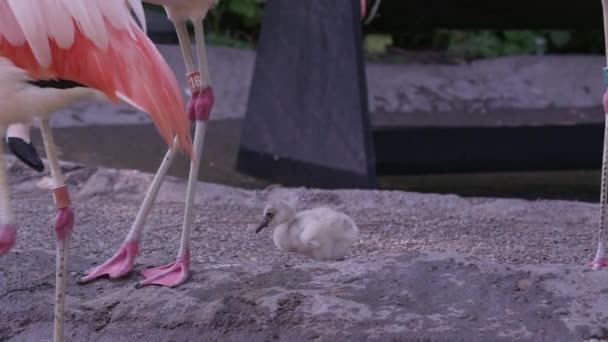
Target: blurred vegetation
{"points": [[233, 23], [493, 43], [236, 23]]}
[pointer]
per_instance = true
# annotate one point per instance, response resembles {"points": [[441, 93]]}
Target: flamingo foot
{"points": [[117, 266], [8, 235], [171, 275], [598, 264]]}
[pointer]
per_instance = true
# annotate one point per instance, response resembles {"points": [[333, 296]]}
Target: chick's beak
{"points": [[263, 224]]}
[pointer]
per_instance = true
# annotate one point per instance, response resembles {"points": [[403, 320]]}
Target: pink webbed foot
{"points": [[8, 235], [117, 266], [171, 275], [598, 264]]}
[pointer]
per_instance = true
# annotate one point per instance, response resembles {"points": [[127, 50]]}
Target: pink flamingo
{"points": [[53, 53], [199, 107]]}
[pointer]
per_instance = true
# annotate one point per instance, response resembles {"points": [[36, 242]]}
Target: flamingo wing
{"points": [[99, 44]]}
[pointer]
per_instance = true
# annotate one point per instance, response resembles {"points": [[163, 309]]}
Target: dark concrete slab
{"points": [[138, 147], [308, 101], [160, 29]]}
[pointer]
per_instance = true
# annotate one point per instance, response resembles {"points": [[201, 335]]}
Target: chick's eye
{"points": [[268, 214]]}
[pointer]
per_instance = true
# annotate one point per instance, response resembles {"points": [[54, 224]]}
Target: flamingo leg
{"points": [[600, 259], [7, 230], [177, 272], [121, 263], [64, 221]]}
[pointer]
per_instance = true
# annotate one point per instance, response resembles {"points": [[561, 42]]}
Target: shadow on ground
{"points": [[139, 147]]}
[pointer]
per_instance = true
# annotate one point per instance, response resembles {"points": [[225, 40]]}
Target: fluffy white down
{"points": [[320, 233]]}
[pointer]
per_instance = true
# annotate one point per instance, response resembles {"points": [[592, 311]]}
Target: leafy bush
{"points": [[236, 23], [235, 20], [486, 43]]}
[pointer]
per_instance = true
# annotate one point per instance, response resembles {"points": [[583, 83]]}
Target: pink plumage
{"points": [[97, 46]]}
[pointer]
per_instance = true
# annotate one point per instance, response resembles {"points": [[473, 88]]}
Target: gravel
{"points": [[106, 201]]}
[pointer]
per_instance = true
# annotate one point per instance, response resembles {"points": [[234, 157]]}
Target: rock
{"points": [[288, 104], [241, 287], [275, 302], [524, 284], [599, 332], [560, 311]]}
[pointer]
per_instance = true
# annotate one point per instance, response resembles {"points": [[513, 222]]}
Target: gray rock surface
{"points": [[427, 268], [518, 82]]}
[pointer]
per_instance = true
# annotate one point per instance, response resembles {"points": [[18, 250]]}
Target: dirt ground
{"points": [[427, 268]]}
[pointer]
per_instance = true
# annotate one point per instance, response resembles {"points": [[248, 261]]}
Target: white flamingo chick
{"points": [[320, 233]]}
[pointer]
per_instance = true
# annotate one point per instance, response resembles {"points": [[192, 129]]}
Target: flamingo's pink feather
{"points": [[128, 67]]}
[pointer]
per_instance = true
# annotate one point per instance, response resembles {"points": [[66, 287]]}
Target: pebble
{"points": [[524, 284], [597, 333], [560, 311]]}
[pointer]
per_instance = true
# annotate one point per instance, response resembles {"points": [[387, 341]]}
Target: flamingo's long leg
{"points": [[7, 230], [122, 261], [64, 221], [184, 45], [177, 272], [600, 258]]}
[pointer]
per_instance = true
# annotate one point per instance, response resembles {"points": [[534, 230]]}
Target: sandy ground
{"points": [[427, 268]]}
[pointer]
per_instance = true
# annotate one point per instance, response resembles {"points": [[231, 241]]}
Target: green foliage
{"points": [[233, 23], [560, 38], [249, 10], [377, 43], [486, 43], [494, 43], [236, 23]]}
